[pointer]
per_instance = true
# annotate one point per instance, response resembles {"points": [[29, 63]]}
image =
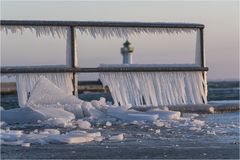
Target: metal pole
{"points": [[203, 61], [73, 60], [202, 48], [64, 69]]}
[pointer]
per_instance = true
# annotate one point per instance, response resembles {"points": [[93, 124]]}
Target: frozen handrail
{"points": [[101, 24], [104, 30], [43, 69]]}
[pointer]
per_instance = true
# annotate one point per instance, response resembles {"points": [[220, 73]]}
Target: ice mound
{"points": [[47, 94], [47, 104], [91, 111]]}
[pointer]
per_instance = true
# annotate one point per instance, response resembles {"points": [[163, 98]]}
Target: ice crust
{"points": [[63, 118]]}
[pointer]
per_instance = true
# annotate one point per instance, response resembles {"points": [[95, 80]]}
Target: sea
{"points": [[216, 138]]}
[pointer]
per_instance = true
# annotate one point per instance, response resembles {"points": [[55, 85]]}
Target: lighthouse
{"points": [[126, 52]]}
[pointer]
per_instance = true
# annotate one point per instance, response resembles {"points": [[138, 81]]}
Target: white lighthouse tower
{"points": [[126, 52]]}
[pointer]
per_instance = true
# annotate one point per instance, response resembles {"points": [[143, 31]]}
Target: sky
{"points": [[221, 20]]}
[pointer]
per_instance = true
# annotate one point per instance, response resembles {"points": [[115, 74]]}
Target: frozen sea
{"points": [[194, 136]]}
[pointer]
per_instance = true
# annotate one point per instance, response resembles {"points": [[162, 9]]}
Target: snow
{"points": [[155, 88]]}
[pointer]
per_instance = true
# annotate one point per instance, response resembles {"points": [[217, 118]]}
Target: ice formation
{"points": [[39, 30], [125, 32], [104, 32], [49, 107], [17, 137], [155, 88], [26, 82], [83, 124]]}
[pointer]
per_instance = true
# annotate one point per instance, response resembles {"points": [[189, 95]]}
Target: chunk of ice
{"points": [[83, 124], [118, 137]]}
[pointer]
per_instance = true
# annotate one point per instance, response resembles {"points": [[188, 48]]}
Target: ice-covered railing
{"points": [[101, 29], [67, 29], [104, 32], [155, 88]]}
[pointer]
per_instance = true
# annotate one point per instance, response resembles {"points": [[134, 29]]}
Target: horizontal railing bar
{"points": [[100, 24], [10, 70]]}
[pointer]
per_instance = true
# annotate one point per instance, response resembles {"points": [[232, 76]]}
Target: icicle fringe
{"points": [[38, 30], [155, 88], [104, 32]]}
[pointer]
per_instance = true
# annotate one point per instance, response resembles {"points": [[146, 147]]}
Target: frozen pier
{"points": [[136, 85]]}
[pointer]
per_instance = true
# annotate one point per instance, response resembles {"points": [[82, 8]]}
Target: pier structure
{"points": [[105, 30]]}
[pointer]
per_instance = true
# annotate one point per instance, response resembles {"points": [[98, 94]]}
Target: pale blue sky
{"points": [[221, 33]]}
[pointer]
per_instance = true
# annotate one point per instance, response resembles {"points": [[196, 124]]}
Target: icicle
{"points": [[26, 82], [104, 32], [155, 88], [39, 30]]}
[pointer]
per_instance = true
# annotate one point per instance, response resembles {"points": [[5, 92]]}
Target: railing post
{"points": [[74, 60], [202, 51], [202, 48]]}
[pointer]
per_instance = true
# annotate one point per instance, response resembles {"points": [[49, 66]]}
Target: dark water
{"points": [[225, 90]]}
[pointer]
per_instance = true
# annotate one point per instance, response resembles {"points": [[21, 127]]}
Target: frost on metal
{"points": [[155, 88], [104, 32]]}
